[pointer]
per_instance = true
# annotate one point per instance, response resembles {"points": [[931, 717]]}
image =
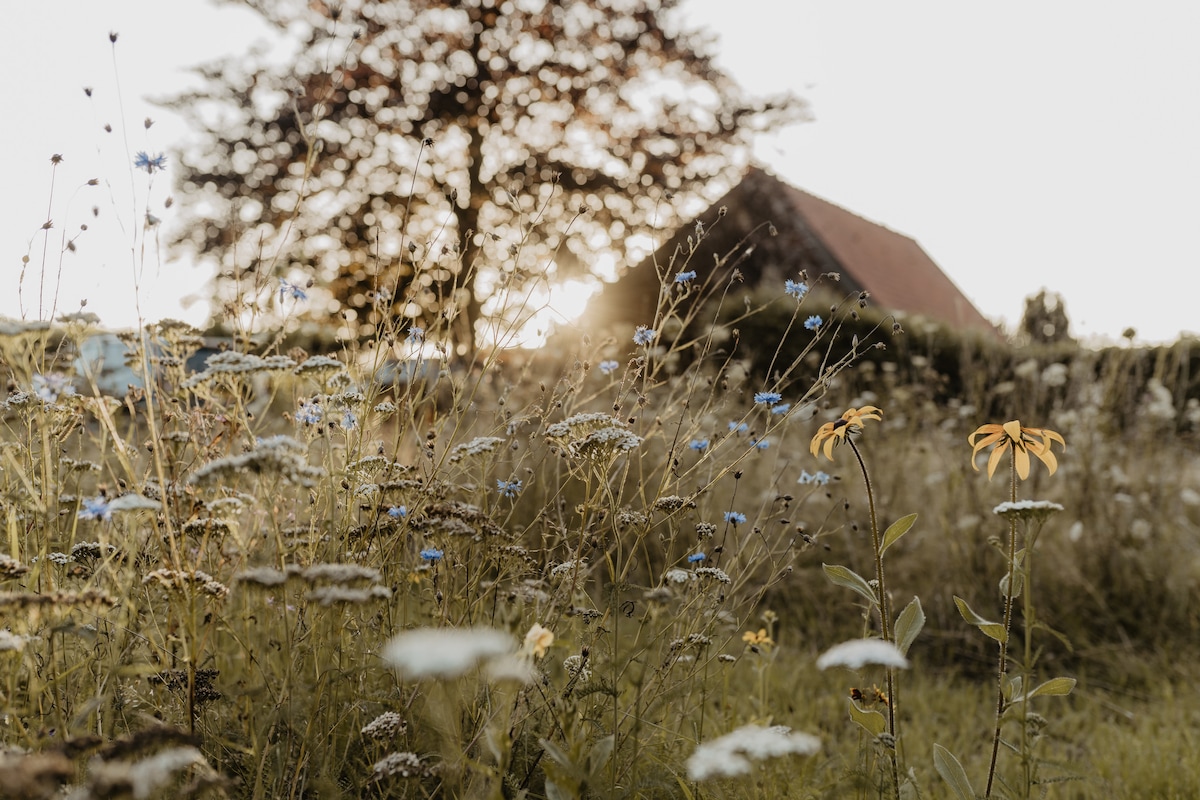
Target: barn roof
{"points": [[810, 234]]}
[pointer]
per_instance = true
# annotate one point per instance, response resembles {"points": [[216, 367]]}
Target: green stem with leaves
{"points": [[1002, 667], [885, 617]]}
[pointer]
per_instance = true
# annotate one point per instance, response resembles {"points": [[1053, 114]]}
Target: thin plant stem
{"points": [[885, 618], [1002, 667]]}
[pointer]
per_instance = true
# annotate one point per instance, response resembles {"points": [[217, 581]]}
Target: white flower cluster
{"points": [[280, 455], [480, 444], [386, 726], [735, 753], [857, 653], [174, 580], [400, 765], [231, 364], [445, 652], [1027, 509]]}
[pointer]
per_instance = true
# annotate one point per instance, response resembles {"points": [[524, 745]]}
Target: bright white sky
{"points": [[1024, 145]]}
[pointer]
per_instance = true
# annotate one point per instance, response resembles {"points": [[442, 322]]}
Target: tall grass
{"points": [[386, 570]]}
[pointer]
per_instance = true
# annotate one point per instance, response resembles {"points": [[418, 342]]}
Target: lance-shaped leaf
{"points": [[843, 576], [993, 630], [896, 530], [952, 772], [909, 624], [1055, 687]]}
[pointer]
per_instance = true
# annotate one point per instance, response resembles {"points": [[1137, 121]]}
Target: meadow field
{"points": [[738, 551]]}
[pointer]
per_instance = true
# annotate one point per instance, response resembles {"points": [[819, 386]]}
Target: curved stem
{"points": [[1008, 606], [885, 617]]}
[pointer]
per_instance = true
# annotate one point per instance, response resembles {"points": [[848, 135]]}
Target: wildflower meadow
{"points": [[773, 542]]}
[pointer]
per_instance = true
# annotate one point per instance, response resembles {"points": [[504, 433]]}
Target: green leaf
{"points": [[908, 625], [842, 576], [872, 721], [1055, 687], [952, 772], [1018, 585], [896, 530], [1062, 637], [599, 754], [993, 630]]}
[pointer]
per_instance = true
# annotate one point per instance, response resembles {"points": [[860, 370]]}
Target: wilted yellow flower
{"points": [[757, 639], [835, 432], [1023, 441], [537, 640]]}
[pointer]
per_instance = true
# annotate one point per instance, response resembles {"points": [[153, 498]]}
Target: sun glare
{"points": [[562, 304]]}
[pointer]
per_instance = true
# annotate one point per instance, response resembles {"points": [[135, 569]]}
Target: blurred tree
{"points": [[408, 138], [1045, 319]]}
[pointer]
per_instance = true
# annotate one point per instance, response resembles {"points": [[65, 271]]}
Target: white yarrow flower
{"points": [[857, 653], [734, 753], [444, 652]]}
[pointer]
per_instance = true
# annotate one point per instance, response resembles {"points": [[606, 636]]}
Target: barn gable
{"points": [[808, 234]]}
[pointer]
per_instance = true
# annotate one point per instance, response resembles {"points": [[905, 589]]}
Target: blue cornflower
{"points": [[698, 444], [293, 290], [695, 557], [509, 489], [432, 554], [760, 444], [684, 277], [349, 421], [95, 508], [735, 517], [310, 413], [819, 478], [151, 164], [738, 427], [416, 335], [796, 289], [780, 408], [609, 367], [398, 512], [813, 322], [644, 336], [767, 398]]}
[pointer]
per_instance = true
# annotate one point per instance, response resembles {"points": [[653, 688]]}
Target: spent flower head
{"points": [[1021, 440], [851, 422]]}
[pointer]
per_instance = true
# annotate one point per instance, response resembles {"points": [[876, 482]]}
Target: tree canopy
{"points": [[416, 156]]}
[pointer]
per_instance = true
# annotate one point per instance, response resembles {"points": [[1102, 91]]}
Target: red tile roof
{"points": [[811, 234]]}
